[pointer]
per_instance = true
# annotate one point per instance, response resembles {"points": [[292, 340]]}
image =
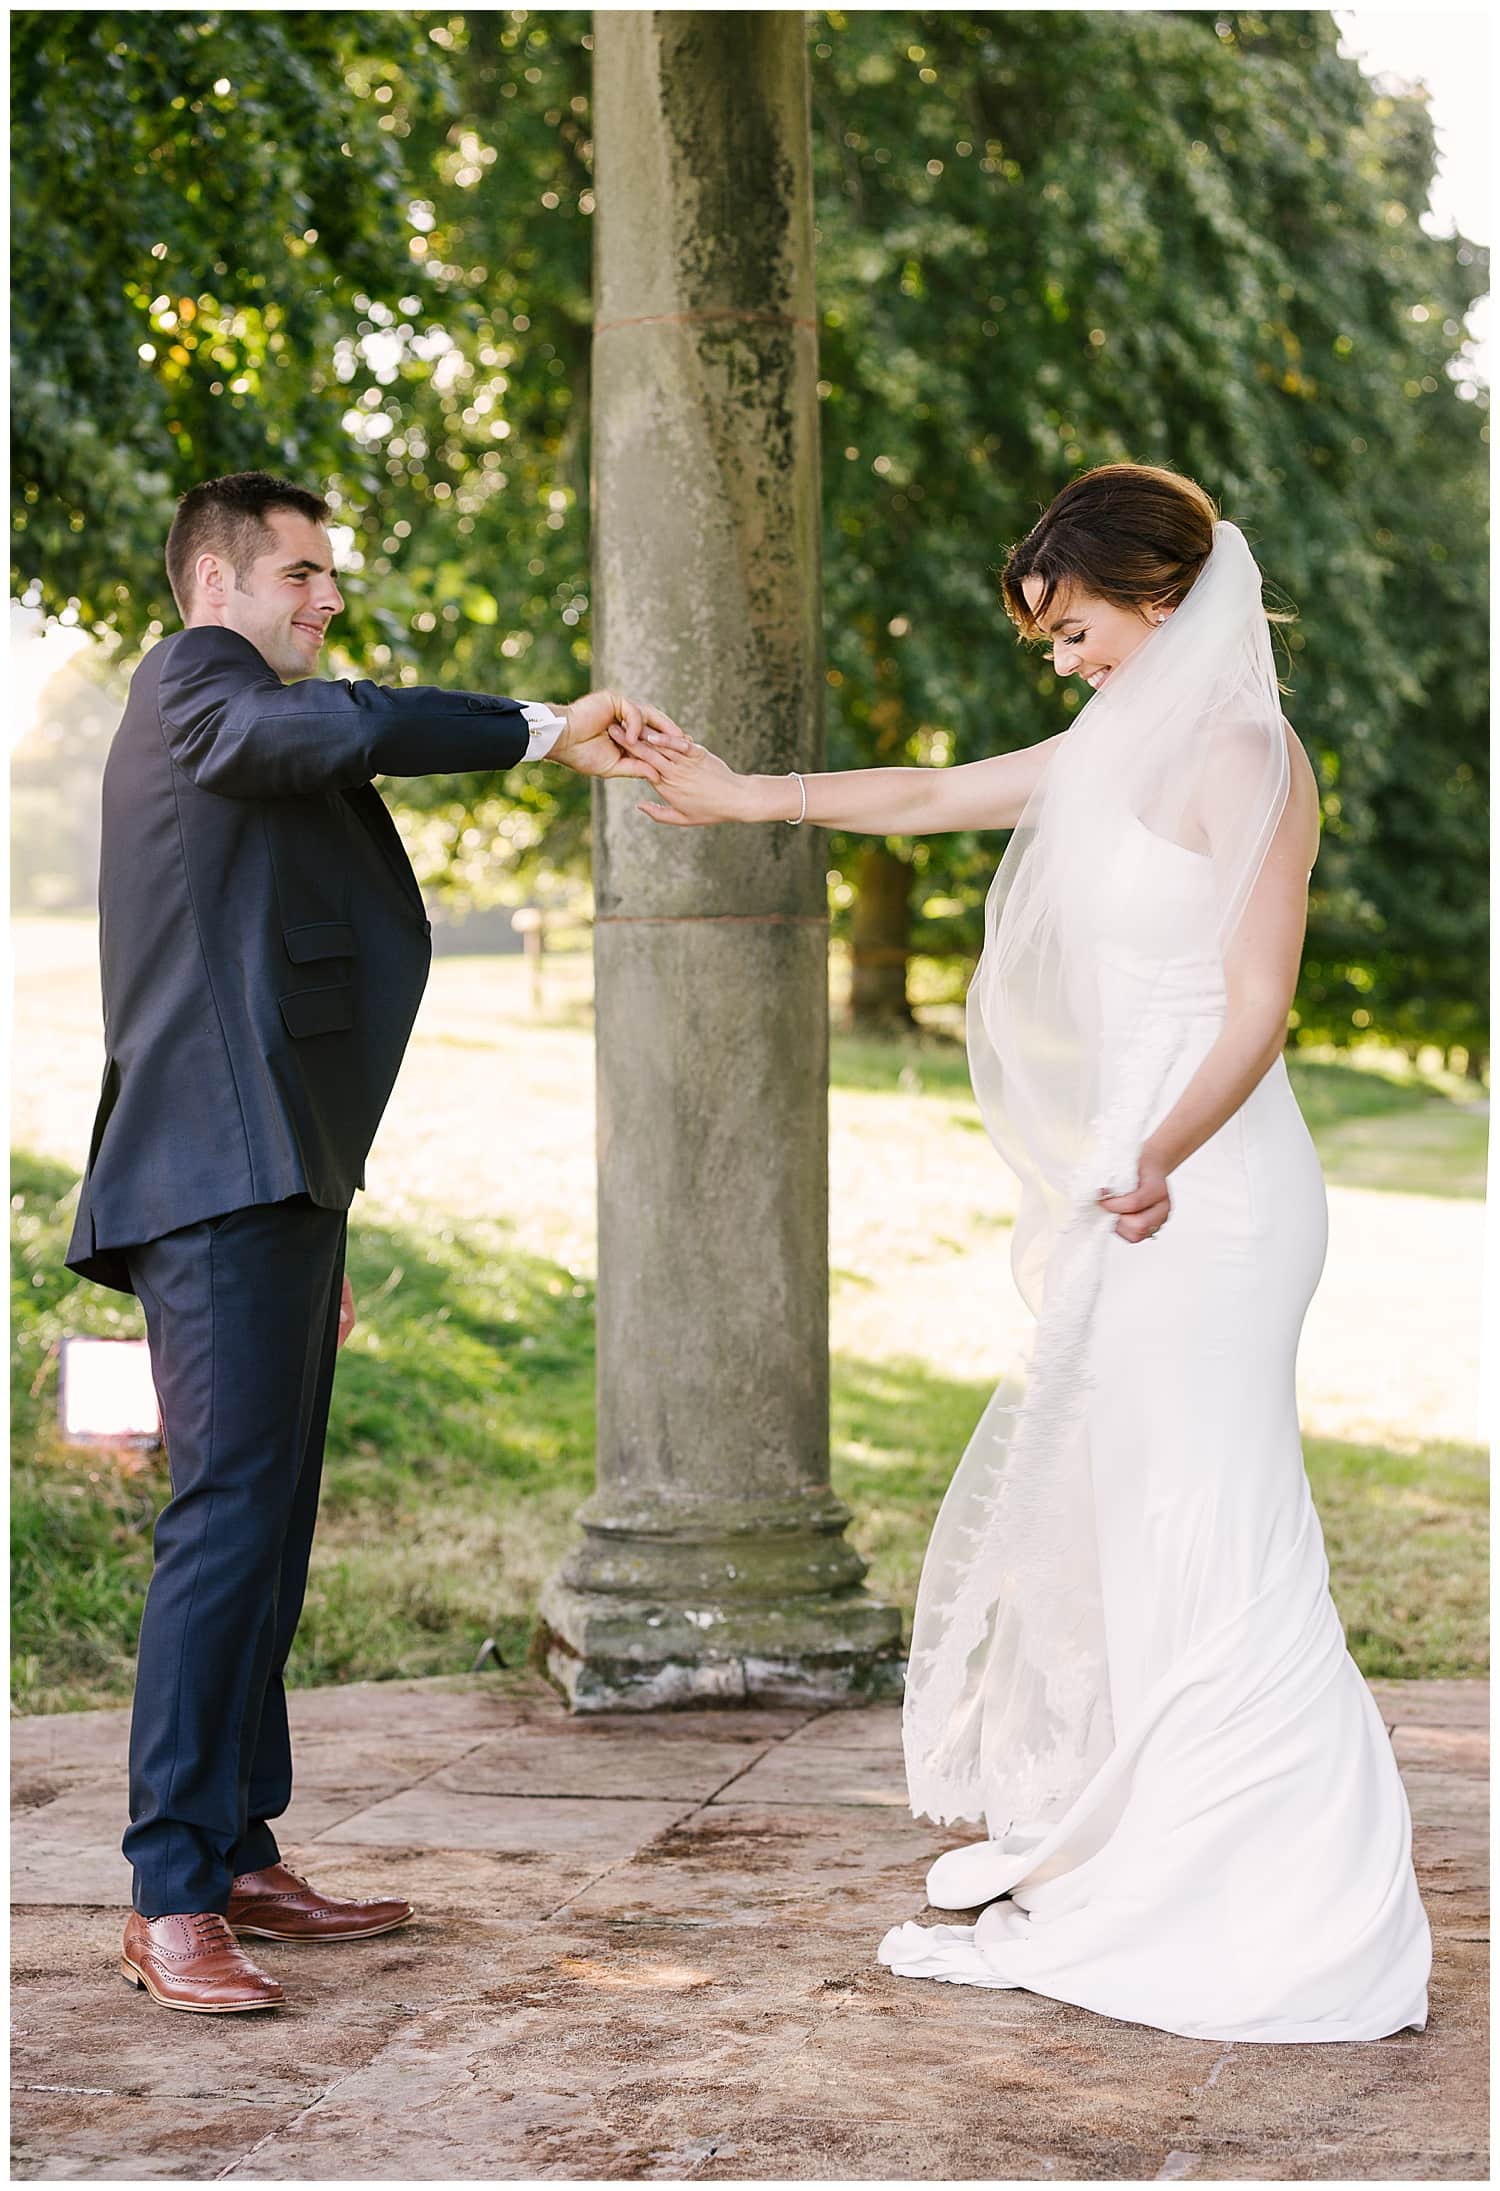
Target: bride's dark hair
{"points": [[1136, 535]]}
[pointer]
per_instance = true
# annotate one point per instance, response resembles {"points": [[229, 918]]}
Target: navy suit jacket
{"points": [[262, 940]]}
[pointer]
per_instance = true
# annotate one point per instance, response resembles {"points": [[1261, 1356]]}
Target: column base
{"points": [[609, 1652]]}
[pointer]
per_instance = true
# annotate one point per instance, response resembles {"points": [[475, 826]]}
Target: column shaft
{"points": [[712, 1559]]}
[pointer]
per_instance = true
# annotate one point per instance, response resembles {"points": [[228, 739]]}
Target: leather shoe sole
{"points": [[242, 1929], [133, 1973]]}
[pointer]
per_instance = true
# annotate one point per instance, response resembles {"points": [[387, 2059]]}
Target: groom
{"points": [[263, 950]]}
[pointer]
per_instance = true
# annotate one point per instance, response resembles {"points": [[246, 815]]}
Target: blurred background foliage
{"points": [[355, 246]]}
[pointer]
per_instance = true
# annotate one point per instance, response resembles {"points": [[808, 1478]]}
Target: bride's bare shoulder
{"points": [[1305, 793], [1300, 759]]}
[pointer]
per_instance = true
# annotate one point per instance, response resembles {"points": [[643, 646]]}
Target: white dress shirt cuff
{"points": [[546, 726]]}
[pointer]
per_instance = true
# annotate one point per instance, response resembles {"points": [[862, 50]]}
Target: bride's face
{"points": [[1090, 637]]}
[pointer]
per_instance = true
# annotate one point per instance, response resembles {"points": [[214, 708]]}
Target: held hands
{"points": [[697, 785], [608, 735], [1143, 1211], [604, 737], [346, 1314]]}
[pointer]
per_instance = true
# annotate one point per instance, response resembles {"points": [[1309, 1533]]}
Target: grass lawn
{"points": [[460, 1444], [461, 1439]]}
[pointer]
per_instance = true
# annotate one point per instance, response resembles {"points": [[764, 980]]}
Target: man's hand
{"points": [[346, 1313], [587, 746], [698, 784]]}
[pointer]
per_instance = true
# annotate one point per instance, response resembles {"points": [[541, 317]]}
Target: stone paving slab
{"points": [[1464, 1749], [592, 2032], [52, 1878], [1434, 1703], [1459, 1797], [620, 1762], [877, 1727], [268, 2061], [645, 1951], [433, 1816], [761, 1864], [32, 1786], [809, 1775], [76, 2134], [502, 1887], [481, 1704], [78, 1741]]}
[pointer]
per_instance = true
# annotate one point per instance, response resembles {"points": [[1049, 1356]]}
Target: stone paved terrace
{"points": [[645, 1949]]}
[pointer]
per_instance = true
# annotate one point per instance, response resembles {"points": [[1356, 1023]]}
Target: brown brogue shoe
{"points": [[278, 1904], [195, 1963]]}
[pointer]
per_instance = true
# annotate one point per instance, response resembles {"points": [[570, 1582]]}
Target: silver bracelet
{"points": [[793, 819]]}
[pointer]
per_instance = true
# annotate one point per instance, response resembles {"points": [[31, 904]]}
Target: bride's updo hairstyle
{"points": [[1135, 535]]}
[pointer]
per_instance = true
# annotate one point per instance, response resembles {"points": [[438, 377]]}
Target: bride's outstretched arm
{"points": [[696, 787], [1260, 978]]}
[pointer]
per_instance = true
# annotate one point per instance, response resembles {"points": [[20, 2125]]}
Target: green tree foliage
{"points": [[198, 200], [356, 246], [1048, 241], [353, 246], [477, 543]]}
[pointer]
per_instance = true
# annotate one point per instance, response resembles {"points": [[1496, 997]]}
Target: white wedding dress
{"points": [[1233, 1859]]}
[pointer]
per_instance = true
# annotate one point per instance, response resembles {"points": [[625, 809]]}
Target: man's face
{"points": [[289, 597]]}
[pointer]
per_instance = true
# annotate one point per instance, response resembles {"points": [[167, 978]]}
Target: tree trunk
{"points": [[881, 942]]}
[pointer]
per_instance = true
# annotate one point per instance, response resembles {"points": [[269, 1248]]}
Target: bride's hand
{"points": [[697, 786], [1143, 1211]]}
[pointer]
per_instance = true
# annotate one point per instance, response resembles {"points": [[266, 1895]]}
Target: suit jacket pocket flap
{"points": [[319, 940], [319, 1011]]}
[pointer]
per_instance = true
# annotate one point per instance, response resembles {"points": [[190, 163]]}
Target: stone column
{"points": [[712, 1561]]}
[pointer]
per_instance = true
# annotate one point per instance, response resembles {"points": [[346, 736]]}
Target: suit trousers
{"points": [[242, 1317]]}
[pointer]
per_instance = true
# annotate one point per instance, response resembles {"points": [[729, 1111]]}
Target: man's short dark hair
{"points": [[228, 517]]}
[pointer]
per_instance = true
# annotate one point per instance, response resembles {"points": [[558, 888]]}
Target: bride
{"points": [[1125, 1660]]}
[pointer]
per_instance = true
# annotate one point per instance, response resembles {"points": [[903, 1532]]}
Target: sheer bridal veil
{"points": [[1099, 958]]}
